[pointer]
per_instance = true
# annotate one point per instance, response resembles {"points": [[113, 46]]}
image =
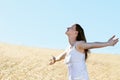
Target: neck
{"points": [[72, 40]]}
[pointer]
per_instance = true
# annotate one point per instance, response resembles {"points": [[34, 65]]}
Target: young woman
{"points": [[76, 55]]}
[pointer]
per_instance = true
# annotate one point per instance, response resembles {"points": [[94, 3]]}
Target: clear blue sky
{"points": [[42, 23]]}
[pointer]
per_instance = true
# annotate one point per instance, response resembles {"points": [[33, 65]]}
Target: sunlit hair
{"points": [[81, 37]]}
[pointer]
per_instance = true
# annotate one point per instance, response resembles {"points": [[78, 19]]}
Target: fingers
{"points": [[52, 60], [112, 37], [113, 42], [116, 40]]}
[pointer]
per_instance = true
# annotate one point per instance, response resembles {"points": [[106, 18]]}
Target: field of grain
{"points": [[30, 63]]}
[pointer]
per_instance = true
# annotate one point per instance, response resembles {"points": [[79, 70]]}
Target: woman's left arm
{"points": [[110, 42]]}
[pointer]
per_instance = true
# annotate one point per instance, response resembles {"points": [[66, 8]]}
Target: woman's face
{"points": [[71, 30]]}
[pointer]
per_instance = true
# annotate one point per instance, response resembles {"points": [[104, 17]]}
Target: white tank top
{"points": [[76, 65]]}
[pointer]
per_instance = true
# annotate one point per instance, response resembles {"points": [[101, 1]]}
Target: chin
{"points": [[67, 34]]}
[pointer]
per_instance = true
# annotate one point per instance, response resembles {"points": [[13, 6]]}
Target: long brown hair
{"points": [[81, 37]]}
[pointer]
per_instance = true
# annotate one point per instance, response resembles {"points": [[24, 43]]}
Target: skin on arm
{"points": [[84, 45], [58, 58]]}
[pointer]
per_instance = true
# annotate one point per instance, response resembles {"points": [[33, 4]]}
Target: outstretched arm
{"points": [[110, 42], [58, 58]]}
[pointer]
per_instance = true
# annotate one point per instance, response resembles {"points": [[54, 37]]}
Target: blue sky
{"points": [[42, 23]]}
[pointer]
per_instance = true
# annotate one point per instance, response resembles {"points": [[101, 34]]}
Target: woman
{"points": [[76, 55]]}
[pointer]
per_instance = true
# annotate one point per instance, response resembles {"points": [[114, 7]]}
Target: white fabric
{"points": [[76, 65]]}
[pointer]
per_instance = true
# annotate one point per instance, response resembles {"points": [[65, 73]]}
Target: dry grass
{"points": [[27, 63]]}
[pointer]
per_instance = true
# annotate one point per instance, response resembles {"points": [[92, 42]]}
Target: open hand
{"points": [[113, 41], [52, 60]]}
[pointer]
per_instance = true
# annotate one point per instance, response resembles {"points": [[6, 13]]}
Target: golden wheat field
{"points": [[30, 63]]}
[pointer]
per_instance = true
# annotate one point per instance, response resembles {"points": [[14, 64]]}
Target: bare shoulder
{"points": [[83, 45], [80, 42], [79, 46]]}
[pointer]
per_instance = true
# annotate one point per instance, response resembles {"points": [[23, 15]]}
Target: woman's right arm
{"points": [[58, 58], [61, 56]]}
